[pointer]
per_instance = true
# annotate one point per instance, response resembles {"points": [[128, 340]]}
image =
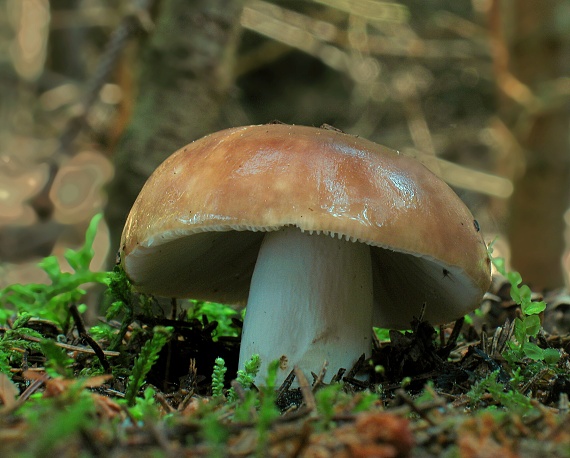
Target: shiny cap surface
{"points": [[196, 227]]}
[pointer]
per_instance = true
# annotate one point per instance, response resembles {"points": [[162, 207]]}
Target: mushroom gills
{"points": [[405, 284], [310, 300]]}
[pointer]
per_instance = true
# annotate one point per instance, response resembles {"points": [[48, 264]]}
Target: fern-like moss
{"points": [[146, 359]]}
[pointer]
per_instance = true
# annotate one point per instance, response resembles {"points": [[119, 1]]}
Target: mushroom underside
{"points": [[218, 266], [311, 297]]}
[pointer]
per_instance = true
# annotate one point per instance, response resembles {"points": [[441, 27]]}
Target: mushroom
{"points": [[323, 233]]}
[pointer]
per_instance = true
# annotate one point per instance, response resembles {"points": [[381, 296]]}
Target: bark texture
{"points": [[185, 75], [536, 53]]}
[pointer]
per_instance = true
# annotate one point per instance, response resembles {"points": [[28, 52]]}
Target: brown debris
{"points": [[371, 434], [482, 437]]}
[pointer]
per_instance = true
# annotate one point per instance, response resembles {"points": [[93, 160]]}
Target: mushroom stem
{"points": [[310, 300]]}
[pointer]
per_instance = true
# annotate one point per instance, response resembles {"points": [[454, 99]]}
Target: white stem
{"points": [[310, 300]]}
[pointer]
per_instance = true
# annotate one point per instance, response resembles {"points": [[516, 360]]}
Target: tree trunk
{"points": [[535, 53], [185, 75]]}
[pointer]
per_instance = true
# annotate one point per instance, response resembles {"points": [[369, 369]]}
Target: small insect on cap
{"points": [[197, 226]]}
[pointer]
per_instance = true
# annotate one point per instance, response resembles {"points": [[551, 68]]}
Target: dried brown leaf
{"points": [[8, 391]]}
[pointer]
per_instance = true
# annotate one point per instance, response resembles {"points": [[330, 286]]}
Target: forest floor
{"points": [[435, 398], [147, 383]]}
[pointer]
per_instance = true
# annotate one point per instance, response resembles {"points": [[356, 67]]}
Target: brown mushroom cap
{"points": [[197, 225]]}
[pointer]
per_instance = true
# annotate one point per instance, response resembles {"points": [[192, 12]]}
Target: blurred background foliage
{"points": [[95, 94]]}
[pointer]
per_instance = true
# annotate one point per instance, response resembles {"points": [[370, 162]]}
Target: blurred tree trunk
{"points": [[66, 43], [185, 75], [529, 49]]}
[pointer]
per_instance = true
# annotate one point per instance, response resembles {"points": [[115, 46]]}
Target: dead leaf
{"points": [[8, 391]]}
